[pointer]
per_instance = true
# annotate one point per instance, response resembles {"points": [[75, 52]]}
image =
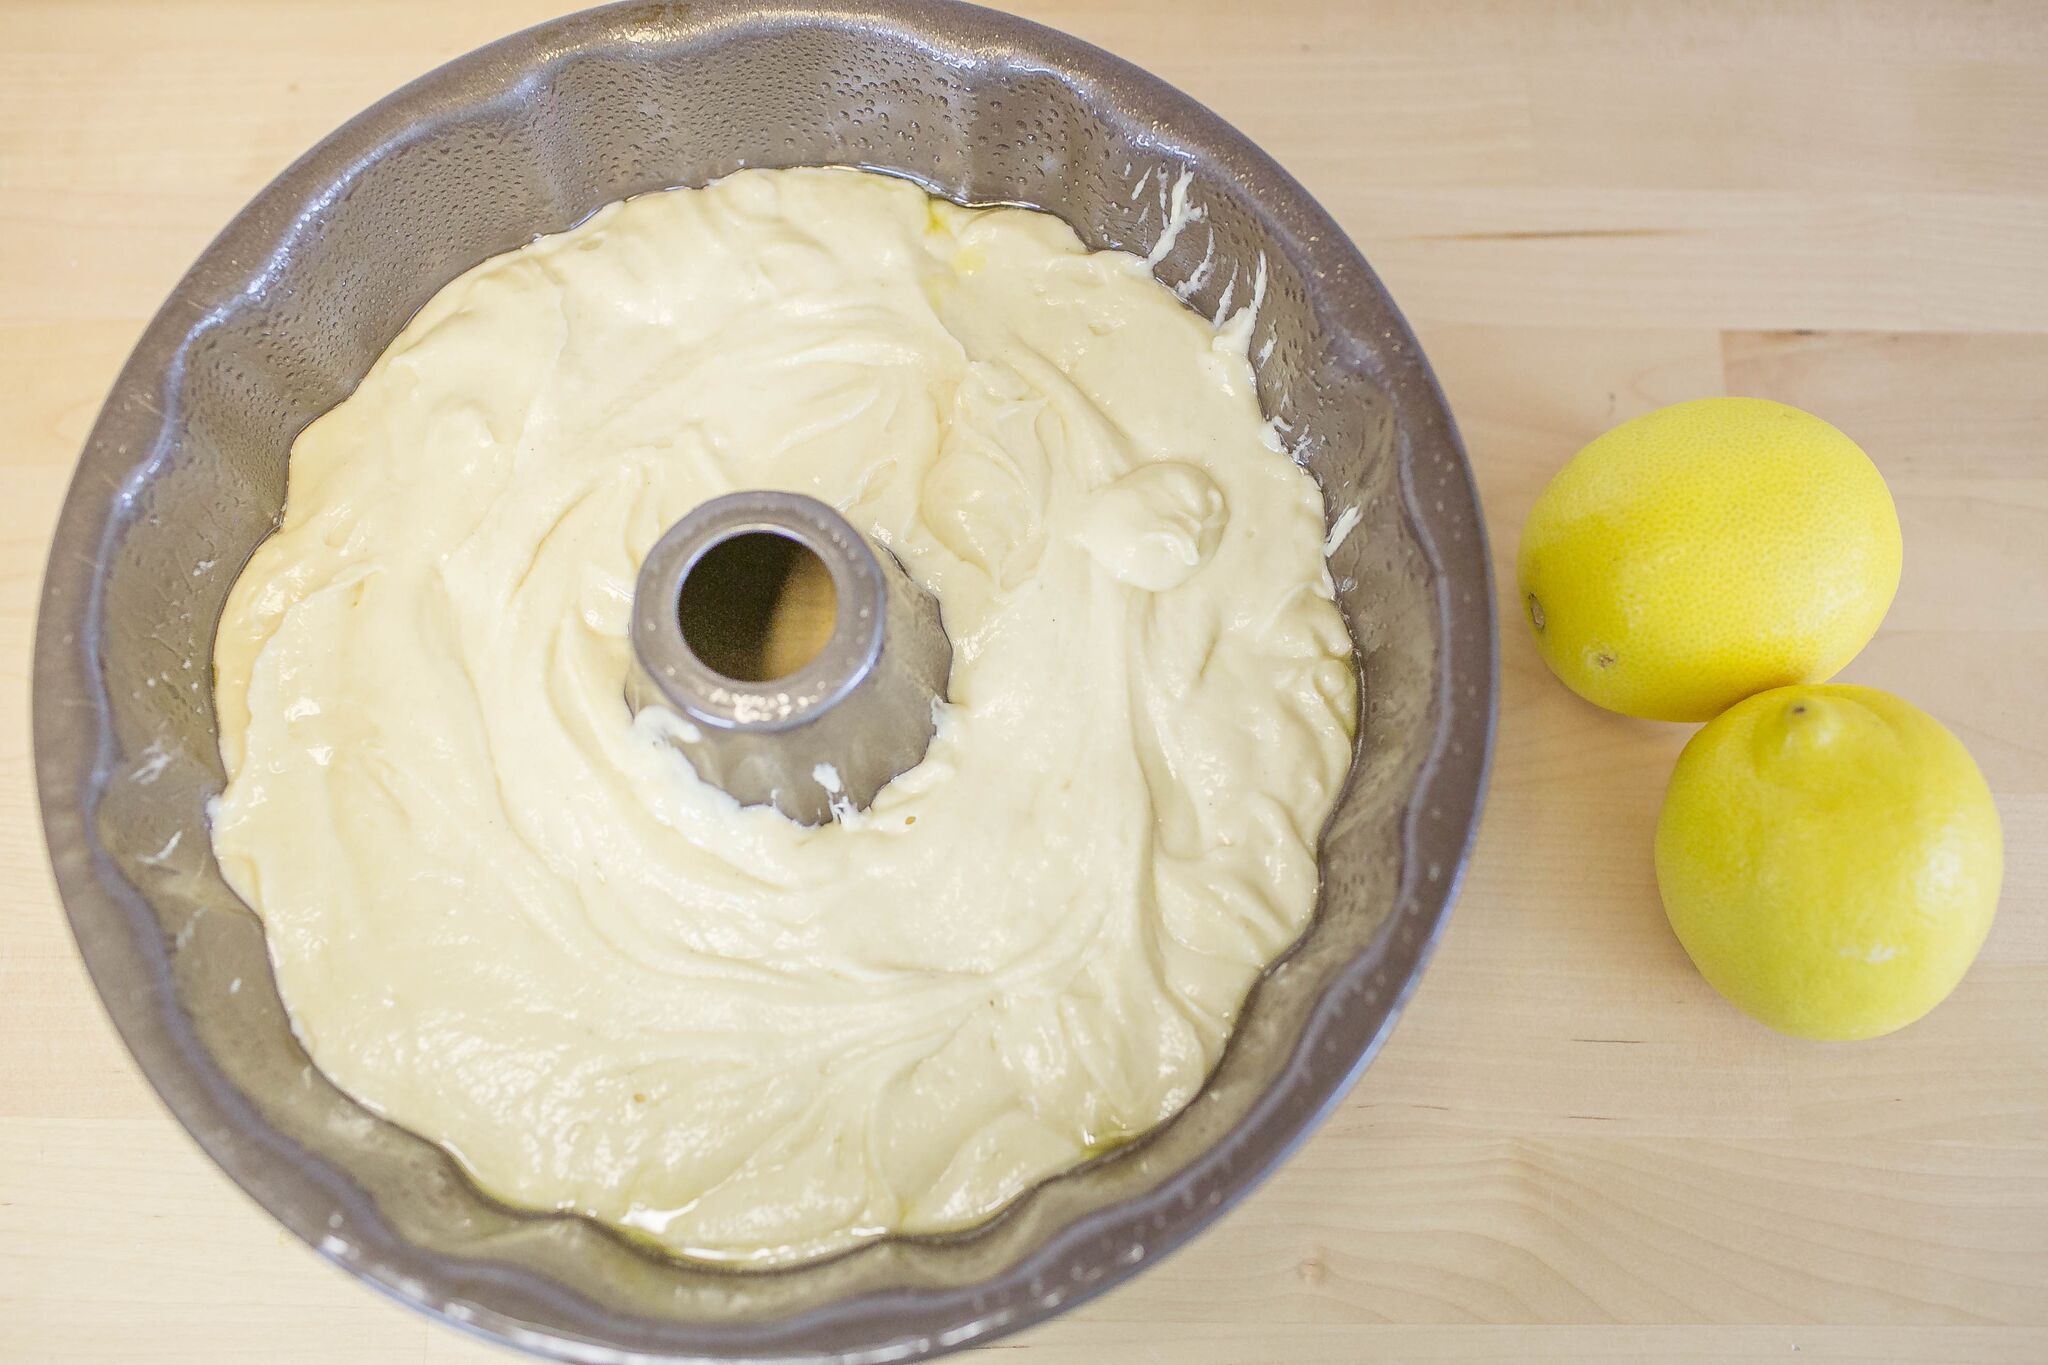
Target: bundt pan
{"points": [[184, 474]]}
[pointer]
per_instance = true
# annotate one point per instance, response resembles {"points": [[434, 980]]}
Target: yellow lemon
{"points": [[1705, 552], [1830, 858]]}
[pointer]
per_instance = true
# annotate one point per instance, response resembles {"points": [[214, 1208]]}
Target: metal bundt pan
{"points": [[185, 471]]}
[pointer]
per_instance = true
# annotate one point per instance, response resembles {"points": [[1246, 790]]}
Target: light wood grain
{"points": [[1571, 1150]]}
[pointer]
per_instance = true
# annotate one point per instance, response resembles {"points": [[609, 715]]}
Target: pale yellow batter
{"points": [[507, 914]]}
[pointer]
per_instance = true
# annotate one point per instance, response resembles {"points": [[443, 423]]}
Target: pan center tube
{"points": [[804, 658]]}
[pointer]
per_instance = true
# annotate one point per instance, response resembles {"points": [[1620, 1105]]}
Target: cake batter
{"points": [[504, 911]]}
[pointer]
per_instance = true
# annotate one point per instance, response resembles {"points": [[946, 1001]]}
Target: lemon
{"points": [[1705, 552], [1830, 858]]}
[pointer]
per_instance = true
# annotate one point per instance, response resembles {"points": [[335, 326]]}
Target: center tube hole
{"points": [[757, 606]]}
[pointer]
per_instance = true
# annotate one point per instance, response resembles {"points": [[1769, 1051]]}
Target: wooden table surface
{"points": [[1571, 1150]]}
